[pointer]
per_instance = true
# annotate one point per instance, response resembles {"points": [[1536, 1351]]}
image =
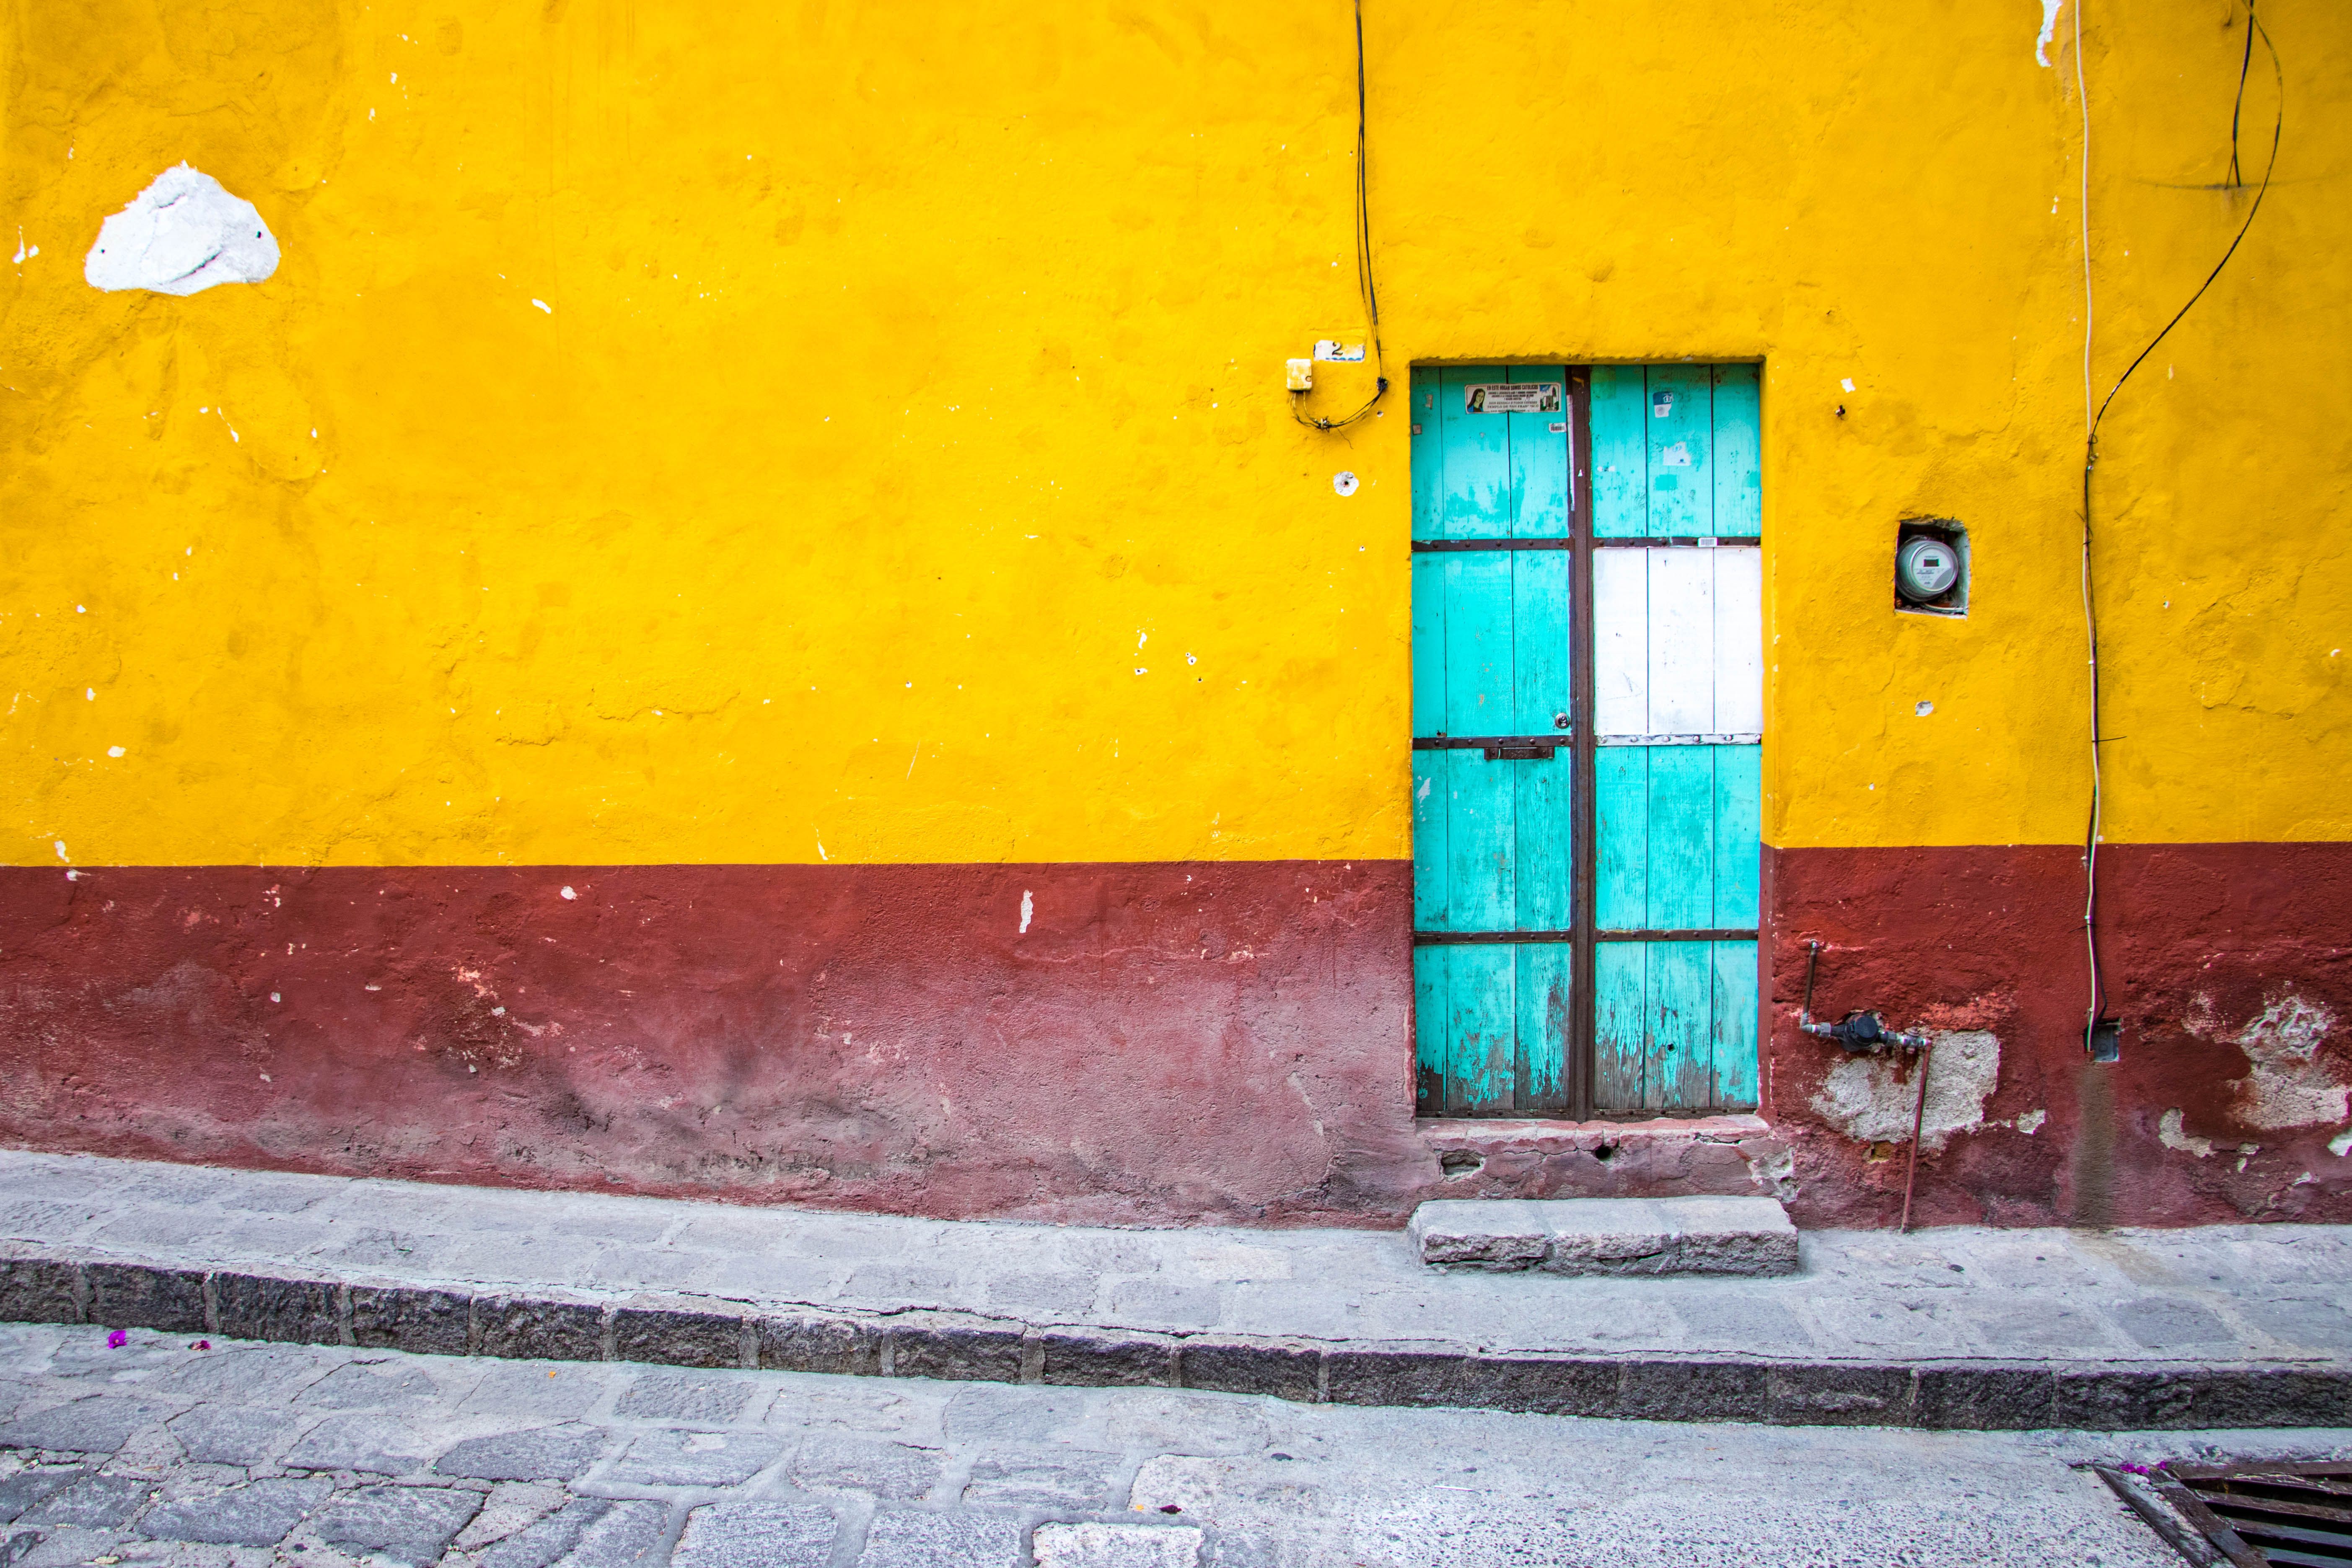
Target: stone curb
{"points": [[581, 1326]]}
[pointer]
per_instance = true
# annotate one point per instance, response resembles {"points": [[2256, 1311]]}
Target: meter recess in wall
{"points": [[1931, 567]]}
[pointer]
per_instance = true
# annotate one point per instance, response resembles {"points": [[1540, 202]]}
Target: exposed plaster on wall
{"points": [[2287, 1086], [2050, 9], [182, 235], [2169, 1132], [1874, 1098]]}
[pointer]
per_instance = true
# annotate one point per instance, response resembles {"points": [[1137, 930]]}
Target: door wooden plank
{"points": [[1620, 1024], [1433, 1023], [1544, 792], [1738, 468], [1479, 698], [1539, 480], [1476, 503], [1544, 992], [1433, 860], [1621, 642], [1681, 641], [1429, 588], [1735, 1025], [1680, 1075], [1682, 838], [1481, 843], [1540, 636], [1481, 1074], [1542, 866], [1680, 432], [1621, 810], [1738, 641], [1739, 821], [1428, 456], [1621, 462]]}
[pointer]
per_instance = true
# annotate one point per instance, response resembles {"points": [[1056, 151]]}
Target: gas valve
{"points": [[1863, 1033]]}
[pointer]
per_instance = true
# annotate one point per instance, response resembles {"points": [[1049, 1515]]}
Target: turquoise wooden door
{"points": [[1679, 715], [1494, 964], [1587, 711]]}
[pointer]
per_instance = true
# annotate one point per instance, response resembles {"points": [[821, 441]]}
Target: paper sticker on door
{"points": [[1514, 397]]}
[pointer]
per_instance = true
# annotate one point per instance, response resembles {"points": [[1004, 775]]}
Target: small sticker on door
{"points": [[1559, 427], [1662, 405], [1676, 455], [1514, 397]]}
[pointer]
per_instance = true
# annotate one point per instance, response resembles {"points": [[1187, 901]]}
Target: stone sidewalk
{"points": [[175, 1451], [2220, 1327]]}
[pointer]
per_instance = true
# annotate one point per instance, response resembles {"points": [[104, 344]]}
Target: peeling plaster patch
{"points": [[2169, 1133], [1873, 1099], [182, 234], [2050, 9], [2341, 1144], [2287, 1086], [569, 894], [1028, 910], [2029, 1122]]}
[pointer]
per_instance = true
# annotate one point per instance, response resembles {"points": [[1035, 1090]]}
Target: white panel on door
{"points": [[1621, 642], [1738, 641], [1681, 641]]}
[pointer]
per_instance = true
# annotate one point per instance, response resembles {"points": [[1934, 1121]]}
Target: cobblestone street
{"points": [[242, 1454]]}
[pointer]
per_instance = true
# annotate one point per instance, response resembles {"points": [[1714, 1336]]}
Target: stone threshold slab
{"points": [[1751, 1238], [373, 1310]]}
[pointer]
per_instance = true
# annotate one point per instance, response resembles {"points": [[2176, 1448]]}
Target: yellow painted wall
{"points": [[900, 463]]}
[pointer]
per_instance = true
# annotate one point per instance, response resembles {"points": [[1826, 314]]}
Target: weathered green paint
{"points": [[1738, 456], [1621, 457]]}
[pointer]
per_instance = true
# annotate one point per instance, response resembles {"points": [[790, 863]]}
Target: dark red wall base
{"points": [[1164, 1044], [2200, 942]]}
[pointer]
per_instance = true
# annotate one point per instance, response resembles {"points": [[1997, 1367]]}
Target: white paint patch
{"points": [[1028, 910], [61, 850], [2050, 9], [113, 751], [544, 306], [569, 894], [182, 235], [2169, 1132], [1344, 483], [23, 253], [2029, 1122], [1923, 710], [1847, 384], [1874, 1098], [2341, 1144], [2285, 1086]]}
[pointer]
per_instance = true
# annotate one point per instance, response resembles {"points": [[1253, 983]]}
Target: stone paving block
{"points": [[380, 1445], [1839, 1394], [2308, 1322], [795, 1342], [538, 1454], [626, 1535], [98, 1425], [1488, 1233], [407, 1524], [229, 1434], [94, 1502], [1671, 1390], [63, 1547], [1245, 1366], [676, 1337], [549, 1537], [757, 1535], [400, 1317], [38, 1291], [667, 1397], [696, 1459], [136, 1295], [1108, 1358], [955, 1351], [1164, 1304], [530, 1328], [986, 1414], [28, 1488], [260, 1307], [1394, 1377], [2164, 1325], [1092, 1544], [369, 1385], [2003, 1398], [909, 1540], [259, 1513], [1049, 1477], [559, 1393], [1548, 1386], [251, 1375], [1608, 1235], [1052, 1295], [1176, 1423], [896, 1282], [888, 1470]]}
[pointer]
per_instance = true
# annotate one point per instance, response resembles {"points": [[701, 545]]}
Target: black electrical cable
{"points": [[2090, 461], [1364, 285]]}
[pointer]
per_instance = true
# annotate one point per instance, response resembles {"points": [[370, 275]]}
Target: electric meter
{"points": [[1925, 569]]}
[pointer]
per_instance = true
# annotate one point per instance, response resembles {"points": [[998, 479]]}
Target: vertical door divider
{"points": [[1584, 819]]}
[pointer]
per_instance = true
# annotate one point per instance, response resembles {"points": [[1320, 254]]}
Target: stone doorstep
{"points": [[444, 1319], [1747, 1237]]}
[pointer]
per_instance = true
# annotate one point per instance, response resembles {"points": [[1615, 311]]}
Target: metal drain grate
{"points": [[2256, 1514]]}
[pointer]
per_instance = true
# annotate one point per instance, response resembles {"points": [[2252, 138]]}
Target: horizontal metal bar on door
{"points": [[1470, 938], [1430, 545], [1679, 541], [1744, 739]]}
